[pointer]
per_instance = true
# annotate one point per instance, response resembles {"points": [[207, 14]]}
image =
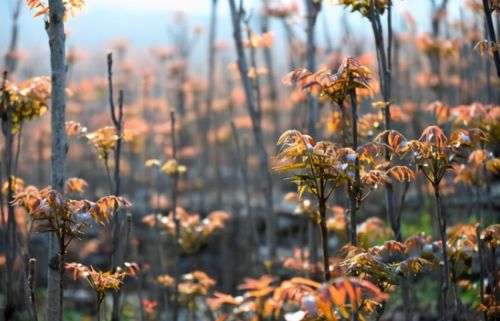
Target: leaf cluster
{"points": [[336, 86], [434, 153], [193, 285], [101, 281], [322, 165], [300, 298], [27, 101], [194, 231], [66, 218], [104, 139]]}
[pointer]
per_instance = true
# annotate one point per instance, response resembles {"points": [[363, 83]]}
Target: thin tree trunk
{"points": [[271, 82], [253, 235], [10, 57], [253, 105], [355, 187], [384, 70], [313, 9], [57, 39], [11, 231], [18, 149], [442, 234], [435, 58], [117, 118], [176, 222], [99, 302], [480, 244], [209, 98], [324, 236], [31, 285], [491, 34]]}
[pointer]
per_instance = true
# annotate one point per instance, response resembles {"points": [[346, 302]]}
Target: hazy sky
{"points": [[148, 5], [144, 23]]}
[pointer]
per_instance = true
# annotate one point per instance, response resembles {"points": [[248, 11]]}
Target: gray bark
{"points": [[57, 39], [10, 233], [254, 110], [312, 16]]}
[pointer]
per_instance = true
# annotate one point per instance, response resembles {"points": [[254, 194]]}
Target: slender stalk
{"points": [[18, 148], [176, 221], [10, 57], [209, 98], [487, 69], [344, 126], [312, 11], [254, 110], [117, 119], [489, 218], [268, 59], [324, 235], [119, 133], [55, 31], [31, 281], [384, 59], [60, 227], [442, 233], [399, 236], [406, 299], [2, 212], [218, 151], [404, 283], [481, 268], [491, 34], [355, 186], [10, 235], [253, 235], [99, 302], [313, 8], [133, 249], [380, 311], [160, 241], [108, 174]]}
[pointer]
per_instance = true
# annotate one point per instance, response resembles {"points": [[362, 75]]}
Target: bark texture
{"points": [[57, 39]]}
